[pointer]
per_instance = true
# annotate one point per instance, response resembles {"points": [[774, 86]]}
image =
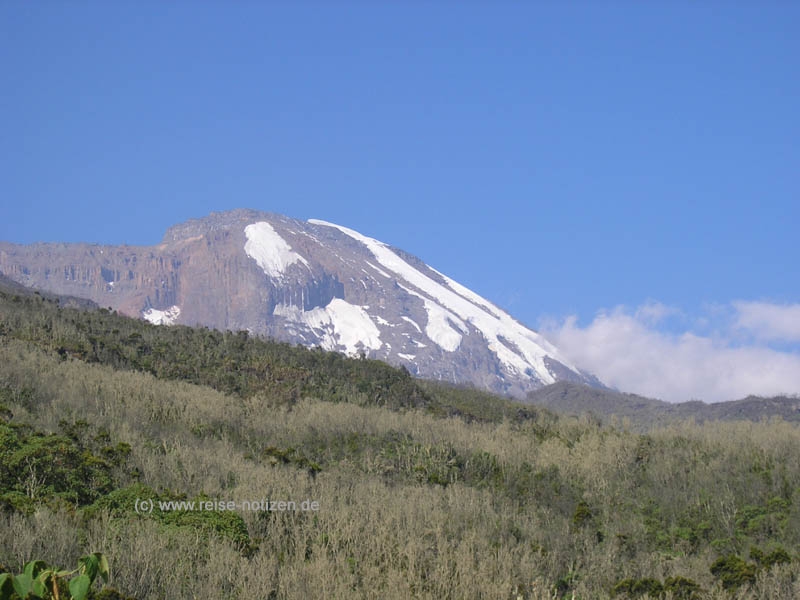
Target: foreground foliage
{"points": [[40, 581], [424, 490]]}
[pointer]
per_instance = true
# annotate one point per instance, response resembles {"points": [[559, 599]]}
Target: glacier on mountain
{"points": [[272, 253], [162, 317], [449, 305], [339, 324]]}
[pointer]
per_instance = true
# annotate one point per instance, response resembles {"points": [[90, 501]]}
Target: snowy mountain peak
{"points": [[313, 283], [449, 305]]}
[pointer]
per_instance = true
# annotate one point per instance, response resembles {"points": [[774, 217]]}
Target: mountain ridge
{"points": [[308, 282], [644, 413]]}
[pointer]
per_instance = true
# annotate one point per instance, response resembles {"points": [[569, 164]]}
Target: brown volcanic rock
{"points": [[123, 277], [312, 283]]}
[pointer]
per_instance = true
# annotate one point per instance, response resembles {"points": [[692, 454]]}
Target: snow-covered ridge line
{"points": [[524, 350], [384, 273], [272, 253]]}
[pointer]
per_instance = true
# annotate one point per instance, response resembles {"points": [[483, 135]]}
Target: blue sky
{"points": [[578, 165]]}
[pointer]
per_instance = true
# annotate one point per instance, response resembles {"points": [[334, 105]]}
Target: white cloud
{"points": [[626, 350], [654, 312], [780, 322]]}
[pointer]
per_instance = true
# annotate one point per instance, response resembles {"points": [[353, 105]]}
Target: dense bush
{"points": [[231, 362], [37, 466], [733, 572]]}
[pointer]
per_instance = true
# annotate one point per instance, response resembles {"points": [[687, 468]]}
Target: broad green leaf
{"points": [[6, 586], [22, 584], [79, 587], [90, 565], [105, 571], [38, 588], [33, 568]]}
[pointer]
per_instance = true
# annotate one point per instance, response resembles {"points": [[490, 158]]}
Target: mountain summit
{"points": [[313, 283]]}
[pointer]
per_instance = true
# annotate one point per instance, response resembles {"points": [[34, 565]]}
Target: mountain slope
{"points": [[570, 398], [9, 286], [313, 283], [98, 412]]}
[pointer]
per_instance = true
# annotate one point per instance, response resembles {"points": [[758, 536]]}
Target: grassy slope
{"points": [[425, 490]]}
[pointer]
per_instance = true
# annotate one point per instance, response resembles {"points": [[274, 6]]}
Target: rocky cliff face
{"points": [[312, 283]]}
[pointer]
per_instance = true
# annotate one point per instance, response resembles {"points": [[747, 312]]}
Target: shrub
{"points": [[635, 588], [681, 588], [733, 572]]}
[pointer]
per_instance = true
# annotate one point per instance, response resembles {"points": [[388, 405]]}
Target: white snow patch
{"points": [[408, 357], [162, 317], [384, 273], [383, 321], [270, 250], [446, 304], [338, 324], [440, 326], [413, 322]]}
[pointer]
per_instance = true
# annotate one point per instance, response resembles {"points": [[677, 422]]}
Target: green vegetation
{"points": [[232, 363], [679, 588], [53, 468], [38, 581], [424, 490]]}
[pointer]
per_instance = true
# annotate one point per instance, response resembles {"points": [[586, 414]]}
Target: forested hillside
{"points": [[423, 490]]}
